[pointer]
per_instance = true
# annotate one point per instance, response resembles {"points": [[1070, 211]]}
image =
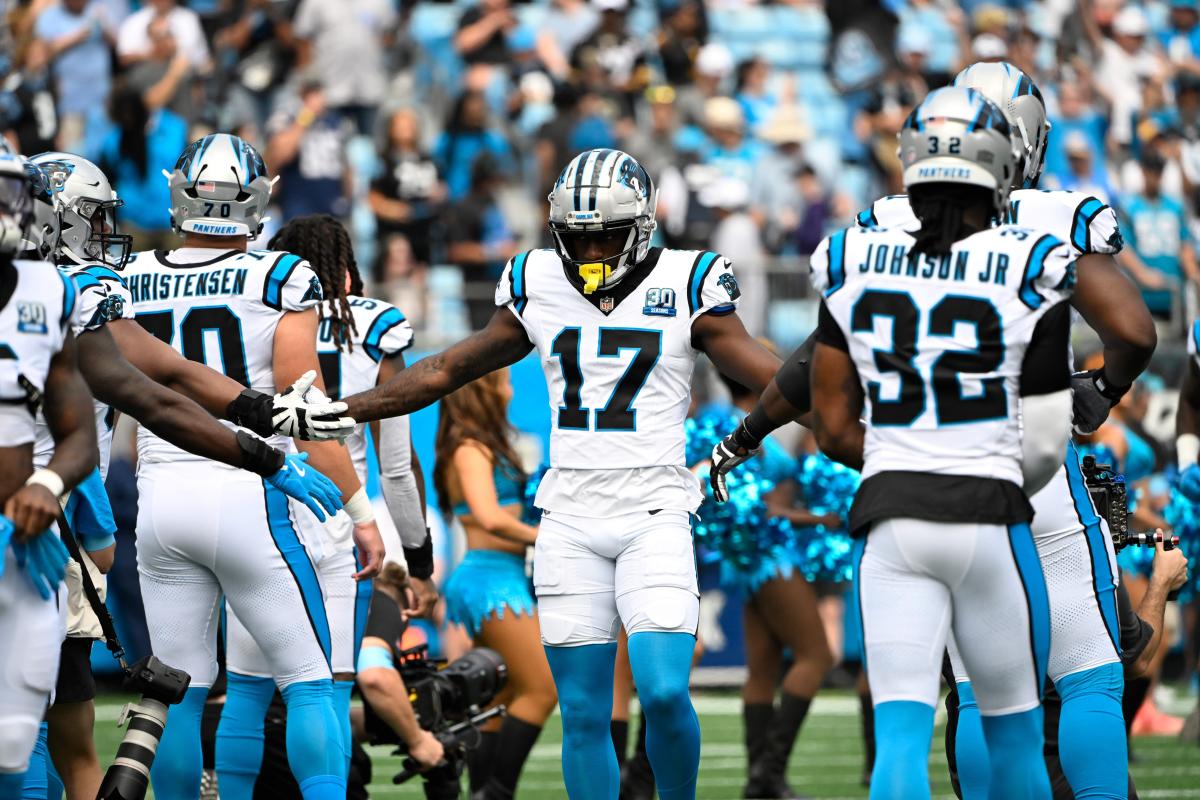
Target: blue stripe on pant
{"points": [[1103, 580], [288, 543], [860, 547], [1020, 540], [362, 604]]}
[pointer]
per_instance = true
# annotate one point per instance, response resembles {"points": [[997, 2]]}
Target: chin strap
{"points": [[593, 275]]}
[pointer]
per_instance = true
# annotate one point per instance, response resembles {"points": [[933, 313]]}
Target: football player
{"points": [[74, 226], [360, 342], [205, 531], [952, 341], [37, 373], [617, 325], [1073, 544]]}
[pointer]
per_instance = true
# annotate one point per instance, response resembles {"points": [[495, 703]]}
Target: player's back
{"points": [[220, 308], [380, 331], [940, 341], [36, 313]]}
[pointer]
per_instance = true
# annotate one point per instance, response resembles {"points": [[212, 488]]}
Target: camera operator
{"points": [[378, 679]]}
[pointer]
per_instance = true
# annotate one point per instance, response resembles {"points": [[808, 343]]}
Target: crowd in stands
{"points": [[436, 128]]}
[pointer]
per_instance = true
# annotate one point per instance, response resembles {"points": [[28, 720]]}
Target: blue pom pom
{"points": [[1184, 518], [826, 487]]}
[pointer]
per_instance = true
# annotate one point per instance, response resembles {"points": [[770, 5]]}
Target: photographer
{"points": [[380, 683]]}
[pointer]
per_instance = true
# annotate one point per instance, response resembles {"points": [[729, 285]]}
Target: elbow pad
{"points": [[252, 410]]}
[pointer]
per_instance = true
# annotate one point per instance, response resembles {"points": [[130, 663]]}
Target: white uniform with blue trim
{"points": [[615, 545], [380, 331], [206, 529], [1074, 545], [943, 347], [34, 322]]}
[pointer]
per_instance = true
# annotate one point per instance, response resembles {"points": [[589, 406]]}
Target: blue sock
{"points": [[584, 677], [36, 784], [11, 783], [175, 774], [903, 730], [1015, 746], [1091, 733], [970, 748], [313, 740], [240, 735], [341, 707], [662, 664]]}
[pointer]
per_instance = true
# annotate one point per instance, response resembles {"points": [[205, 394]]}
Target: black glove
{"points": [[1092, 397], [734, 449]]}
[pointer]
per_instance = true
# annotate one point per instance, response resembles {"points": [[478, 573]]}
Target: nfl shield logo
{"points": [[606, 304]]}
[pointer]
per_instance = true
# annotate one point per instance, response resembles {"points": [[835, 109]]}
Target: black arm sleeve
{"points": [[384, 620], [827, 332], [793, 377], [1047, 365], [1135, 631]]}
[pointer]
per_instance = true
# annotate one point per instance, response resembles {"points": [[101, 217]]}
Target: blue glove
{"points": [[44, 559], [6, 532], [297, 479], [1189, 483]]}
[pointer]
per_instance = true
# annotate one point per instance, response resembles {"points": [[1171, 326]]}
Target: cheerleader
{"points": [[480, 482]]}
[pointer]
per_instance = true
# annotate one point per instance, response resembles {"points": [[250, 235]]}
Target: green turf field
{"points": [[827, 762]]}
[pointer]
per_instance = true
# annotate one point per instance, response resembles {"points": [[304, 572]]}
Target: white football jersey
{"points": [[618, 368], [939, 343], [34, 321], [1078, 219], [103, 297], [380, 331], [219, 308]]}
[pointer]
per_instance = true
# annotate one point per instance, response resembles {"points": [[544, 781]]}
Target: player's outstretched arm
{"points": [[501, 343], [286, 413], [1112, 305], [837, 405], [67, 407]]}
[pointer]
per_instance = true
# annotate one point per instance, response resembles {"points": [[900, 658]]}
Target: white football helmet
{"points": [[219, 188], [75, 216], [1021, 101], [16, 200], [602, 216], [956, 135]]}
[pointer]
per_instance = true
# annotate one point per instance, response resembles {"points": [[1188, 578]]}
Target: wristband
{"points": [[252, 410], [48, 478], [1107, 389], [359, 507], [420, 559], [1187, 450], [258, 456]]}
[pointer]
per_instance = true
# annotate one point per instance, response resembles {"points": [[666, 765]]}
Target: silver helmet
{"points": [[219, 188], [956, 135], [75, 216], [1021, 101], [602, 216], [16, 200]]}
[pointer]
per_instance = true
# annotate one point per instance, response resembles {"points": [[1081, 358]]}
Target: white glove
{"points": [[304, 412]]}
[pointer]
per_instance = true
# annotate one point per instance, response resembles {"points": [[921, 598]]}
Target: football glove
{"points": [[735, 449], [1092, 397], [43, 559], [1189, 483], [292, 412], [6, 534], [303, 482]]}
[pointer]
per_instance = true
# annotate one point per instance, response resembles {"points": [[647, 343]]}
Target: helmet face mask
{"points": [[76, 213], [602, 216]]}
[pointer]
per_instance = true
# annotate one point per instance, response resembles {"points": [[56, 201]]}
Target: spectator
{"points": [[714, 67], [28, 111], [730, 153], [751, 91], [1181, 39], [774, 194], [1124, 61], [482, 39], [149, 71], [1077, 113], [307, 150], [818, 211], [405, 198], [480, 240], [78, 34], [257, 43], [1159, 252], [734, 231], [467, 136], [1083, 174], [932, 27], [135, 43], [346, 41], [567, 23], [652, 143], [613, 57], [683, 33], [147, 138]]}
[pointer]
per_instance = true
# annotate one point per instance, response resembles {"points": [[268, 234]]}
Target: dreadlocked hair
{"points": [[324, 243], [941, 207]]}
